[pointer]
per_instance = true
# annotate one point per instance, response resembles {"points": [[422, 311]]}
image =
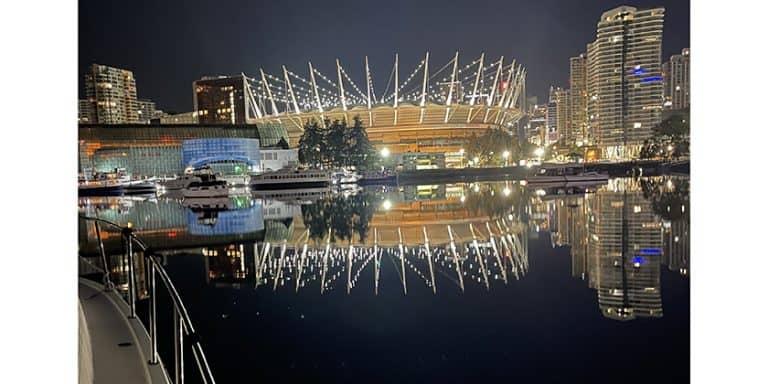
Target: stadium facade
{"points": [[430, 108]]}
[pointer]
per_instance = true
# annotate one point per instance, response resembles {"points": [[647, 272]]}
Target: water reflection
{"points": [[620, 236], [343, 216], [450, 238]]}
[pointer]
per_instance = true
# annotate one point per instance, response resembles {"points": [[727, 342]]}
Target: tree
{"points": [[361, 153], [490, 146], [670, 139], [312, 145], [336, 140], [336, 146]]}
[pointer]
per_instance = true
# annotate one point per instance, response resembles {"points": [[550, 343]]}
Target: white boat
{"points": [[189, 176], [139, 187], [288, 178], [206, 188], [294, 195], [564, 173]]}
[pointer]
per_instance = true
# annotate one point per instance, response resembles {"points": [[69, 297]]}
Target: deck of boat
{"points": [[113, 348]]}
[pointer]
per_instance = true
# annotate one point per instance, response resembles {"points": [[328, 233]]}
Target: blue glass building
{"points": [[147, 150], [199, 152]]}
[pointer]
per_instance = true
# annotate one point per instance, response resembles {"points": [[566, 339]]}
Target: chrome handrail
{"points": [[182, 324]]}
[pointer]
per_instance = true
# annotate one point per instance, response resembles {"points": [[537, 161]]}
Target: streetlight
{"points": [[476, 161], [539, 152], [461, 153], [505, 155], [386, 205], [385, 152]]}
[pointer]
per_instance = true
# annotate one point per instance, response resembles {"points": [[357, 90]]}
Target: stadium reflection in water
{"points": [[619, 234], [504, 246]]}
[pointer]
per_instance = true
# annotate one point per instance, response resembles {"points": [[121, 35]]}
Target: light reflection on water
{"points": [[490, 242]]}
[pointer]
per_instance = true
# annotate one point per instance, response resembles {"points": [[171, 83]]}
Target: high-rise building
{"points": [[112, 95], [563, 108], [147, 111], [537, 124], [593, 122], [677, 80], [221, 100], [84, 112], [551, 133], [578, 82], [624, 80]]}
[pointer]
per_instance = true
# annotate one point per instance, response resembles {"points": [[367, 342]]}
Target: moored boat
{"points": [[190, 176], [290, 178], [564, 173], [211, 188], [100, 188], [141, 187]]}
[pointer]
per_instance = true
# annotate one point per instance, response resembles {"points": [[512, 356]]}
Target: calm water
{"points": [[519, 282]]}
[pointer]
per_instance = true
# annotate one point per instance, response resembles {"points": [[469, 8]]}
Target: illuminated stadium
{"points": [[432, 107]]}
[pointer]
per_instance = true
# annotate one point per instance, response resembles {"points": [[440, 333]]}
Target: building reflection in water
{"points": [[484, 261], [442, 238], [619, 238]]}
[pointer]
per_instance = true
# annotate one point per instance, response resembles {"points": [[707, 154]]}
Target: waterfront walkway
{"points": [[113, 348]]}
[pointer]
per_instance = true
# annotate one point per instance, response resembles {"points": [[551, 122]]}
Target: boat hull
{"points": [[294, 195], [536, 180], [140, 189], [101, 190], [266, 186], [205, 193]]}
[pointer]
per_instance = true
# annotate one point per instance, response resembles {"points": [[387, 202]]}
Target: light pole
{"points": [[505, 155], [539, 152]]}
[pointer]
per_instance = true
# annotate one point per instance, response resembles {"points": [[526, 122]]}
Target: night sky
{"points": [[168, 44]]}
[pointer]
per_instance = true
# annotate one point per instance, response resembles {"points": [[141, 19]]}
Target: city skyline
{"points": [[166, 67]]}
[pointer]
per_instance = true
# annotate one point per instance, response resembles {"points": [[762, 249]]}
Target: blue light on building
{"points": [[650, 251], [229, 222], [652, 78], [199, 152]]}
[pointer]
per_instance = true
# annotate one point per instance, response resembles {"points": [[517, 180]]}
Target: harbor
{"points": [[272, 261]]}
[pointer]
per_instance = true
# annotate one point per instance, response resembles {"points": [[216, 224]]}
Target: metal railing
{"points": [[182, 325]]}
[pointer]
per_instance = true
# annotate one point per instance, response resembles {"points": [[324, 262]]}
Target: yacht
{"points": [[572, 174], [206, 189], [294, 195], [288, 178], [103, 183], [100, 188], [140, 187], [189, 176]]}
